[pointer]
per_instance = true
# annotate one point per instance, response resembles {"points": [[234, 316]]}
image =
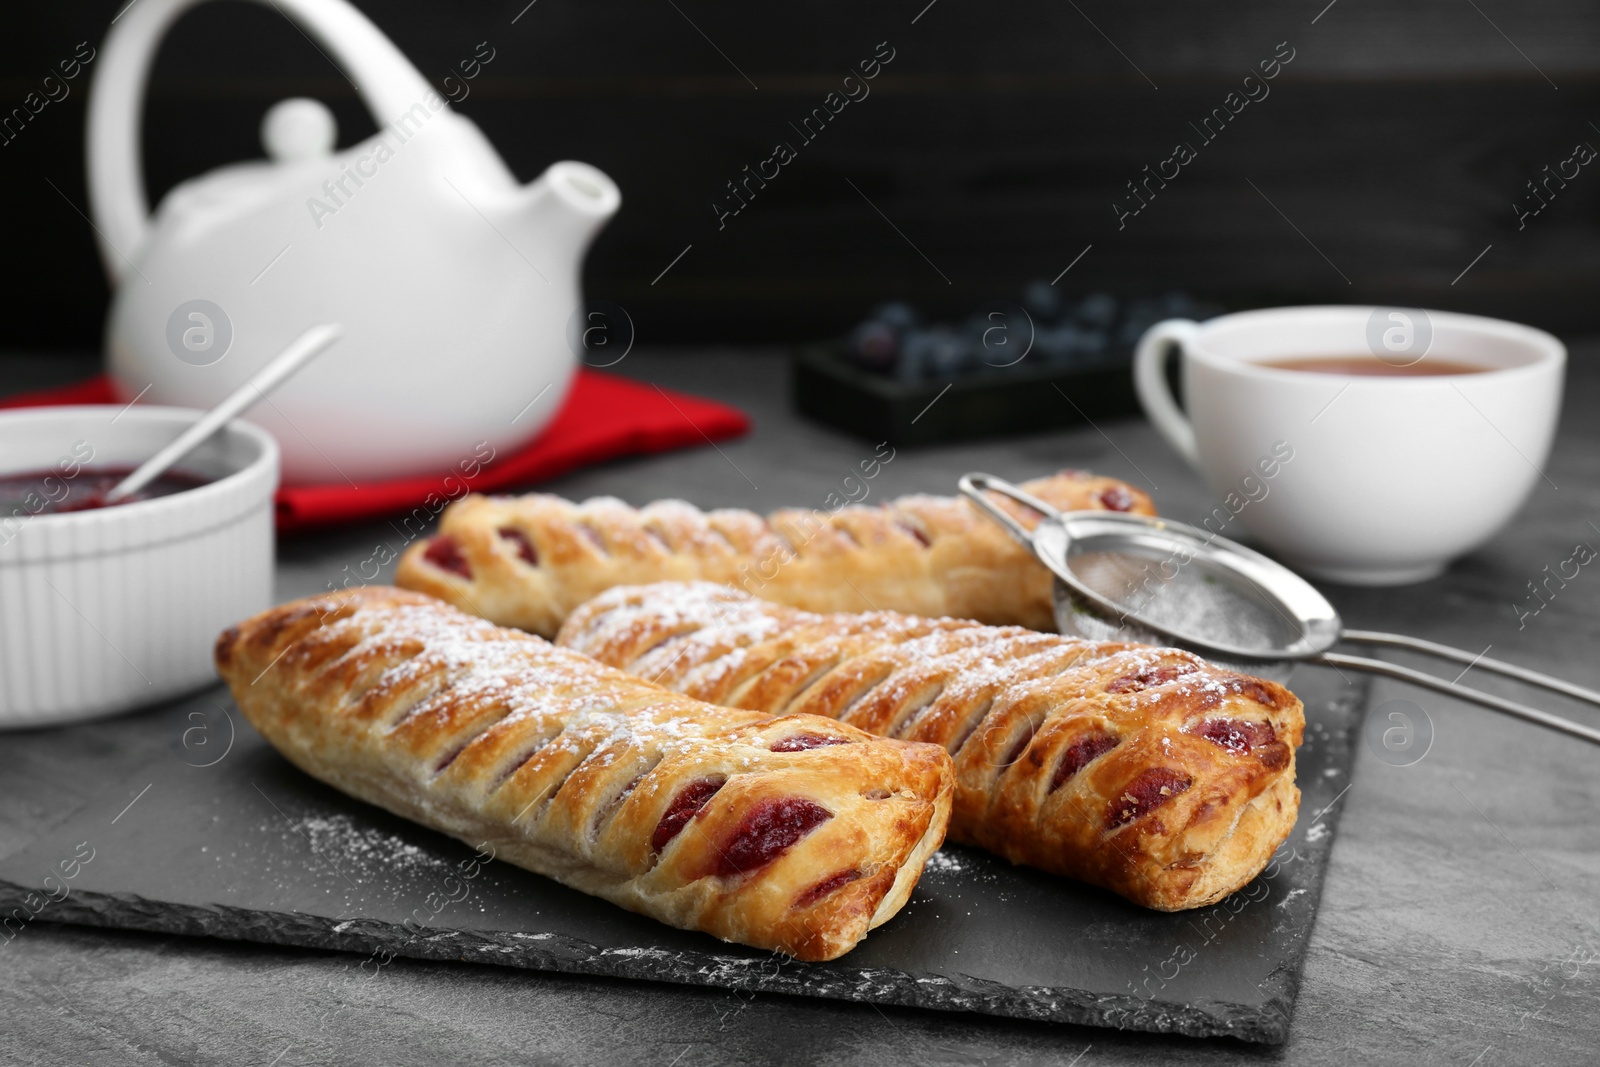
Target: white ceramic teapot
{"points": [[454, 283]]}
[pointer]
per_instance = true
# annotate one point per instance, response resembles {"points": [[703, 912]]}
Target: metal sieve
{"points": [[1148, 580]]}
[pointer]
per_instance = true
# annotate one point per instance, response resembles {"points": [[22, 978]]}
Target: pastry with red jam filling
{"points": [[1146, 771], [791, 833], [528, 561]]}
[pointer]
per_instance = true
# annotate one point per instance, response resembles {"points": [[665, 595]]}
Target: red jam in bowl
{"points": [[51, 492]]}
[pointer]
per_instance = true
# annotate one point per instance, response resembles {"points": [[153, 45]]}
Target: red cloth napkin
{"points": [[604, 417]]}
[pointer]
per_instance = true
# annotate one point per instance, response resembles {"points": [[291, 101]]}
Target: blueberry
{"points": [[1056, 345], [1043, 300], [1142, 314], [916, 353], [898, 316], [1098, 311], [948, 353], [873, 345], [1001, 334], [1177, 305], [976, 324], [1093, 343]]}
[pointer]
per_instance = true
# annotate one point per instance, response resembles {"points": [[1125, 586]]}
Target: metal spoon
{"points": [[262, 382]]}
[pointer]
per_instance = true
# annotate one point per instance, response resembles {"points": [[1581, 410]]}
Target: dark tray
{"points": [[1010, 400], [218, 835]]}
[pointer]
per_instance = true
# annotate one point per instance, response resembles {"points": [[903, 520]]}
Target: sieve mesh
{"points": [[1191, 599]]}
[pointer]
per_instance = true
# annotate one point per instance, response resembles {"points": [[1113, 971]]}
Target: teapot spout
{"points": [[566, 206]]}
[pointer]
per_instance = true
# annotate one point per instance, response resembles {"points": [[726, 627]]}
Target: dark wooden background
{"points": [[997, 140]]}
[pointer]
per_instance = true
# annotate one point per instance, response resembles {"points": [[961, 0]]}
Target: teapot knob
{"points": [[297, 129]]}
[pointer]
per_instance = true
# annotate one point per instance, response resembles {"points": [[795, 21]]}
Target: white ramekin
{"points": [[111, 609]]}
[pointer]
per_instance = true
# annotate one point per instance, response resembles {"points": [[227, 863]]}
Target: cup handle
{"points": [[1150, 381]]}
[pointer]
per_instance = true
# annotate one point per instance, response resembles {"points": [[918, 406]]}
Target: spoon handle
{"points": [[268, 378]]}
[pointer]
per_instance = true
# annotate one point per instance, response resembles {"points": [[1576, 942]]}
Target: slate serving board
{"points": [[218, 835]]}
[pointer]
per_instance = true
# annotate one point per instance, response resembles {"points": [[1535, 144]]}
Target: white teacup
{"points": [[1379, 480]]}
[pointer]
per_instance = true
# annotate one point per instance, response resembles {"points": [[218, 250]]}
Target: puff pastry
{"points": [[793, 833], [529, 561], [1143, 770]]}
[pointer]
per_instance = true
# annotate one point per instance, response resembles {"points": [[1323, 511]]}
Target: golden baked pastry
{"points": [[795, 833], [529, 561], [1147, 771]]}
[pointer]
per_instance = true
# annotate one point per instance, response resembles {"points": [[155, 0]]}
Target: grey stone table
{"points": [[1460, 922]]}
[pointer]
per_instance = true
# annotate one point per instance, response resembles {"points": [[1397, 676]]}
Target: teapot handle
{"points": [[388, 82]]}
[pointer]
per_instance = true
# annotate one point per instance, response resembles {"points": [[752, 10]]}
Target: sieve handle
{"points": [[975, 485], [1456, 655], [1475, 696]]}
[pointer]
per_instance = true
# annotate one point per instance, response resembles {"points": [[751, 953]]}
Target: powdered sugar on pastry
{"points": [[708, 818], [1144, 770]]}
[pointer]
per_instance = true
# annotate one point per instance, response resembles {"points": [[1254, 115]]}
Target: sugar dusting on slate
{"points": [[341, 838]]}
